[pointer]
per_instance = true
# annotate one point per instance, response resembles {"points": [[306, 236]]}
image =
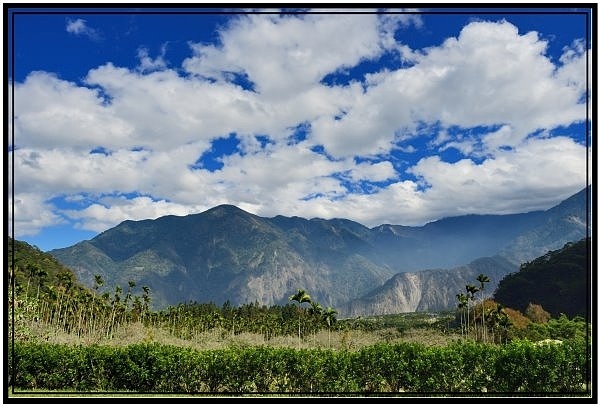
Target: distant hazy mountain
{"points": [[435, 289], [569, 221], [228, 254]]}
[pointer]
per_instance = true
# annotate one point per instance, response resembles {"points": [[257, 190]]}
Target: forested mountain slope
{"points": [[226, 253], [560, 281]]}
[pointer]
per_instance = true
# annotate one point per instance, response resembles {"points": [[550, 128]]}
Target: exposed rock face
{"points": [[227, 254], [428, 290]]}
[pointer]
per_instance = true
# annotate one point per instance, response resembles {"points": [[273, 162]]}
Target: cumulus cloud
{"points": [[284, 55], [488, 75], [31, 213], [504, 184], [112, 211], [79, 27], [54, 113], [490, 93], [148, 64]]}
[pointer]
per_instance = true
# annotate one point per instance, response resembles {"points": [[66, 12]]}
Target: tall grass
{"points": [[219, 338]]}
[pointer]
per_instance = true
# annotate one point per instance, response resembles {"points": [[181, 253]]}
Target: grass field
{"points": [[218, 338]]}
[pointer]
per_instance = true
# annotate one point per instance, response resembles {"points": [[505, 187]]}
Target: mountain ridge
{"points": [[226, 253]]}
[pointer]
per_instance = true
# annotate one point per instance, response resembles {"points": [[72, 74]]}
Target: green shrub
{"points": [[524, 366], [461, 367]]}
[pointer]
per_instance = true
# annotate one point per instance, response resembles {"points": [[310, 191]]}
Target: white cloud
{"points": [[506, 183], [374, 172], [188, 109], [277, 176], [489, 75], [147, 64], [54, 113], [390, 23], [284, 55], [76, 26], [99, 217], [155, 122], [79, 27], [31, 213], [71, 171]]}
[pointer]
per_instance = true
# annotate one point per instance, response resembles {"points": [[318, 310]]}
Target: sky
{"points": [[396, 116]]}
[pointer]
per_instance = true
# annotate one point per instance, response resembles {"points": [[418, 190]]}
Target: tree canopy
{"points": [[559, 281]]}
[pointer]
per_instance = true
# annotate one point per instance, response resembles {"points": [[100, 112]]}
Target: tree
{"points": [[301, 297], [483, 279], [536, 313], [128, 297], [146, 299], [116, 304], [65, 280], [315, 309], [98, 282], [33, 269], [499, 322], [504, 323], [471, 291], [463, 303], [41, 274], [329, 317], [316, 312]]}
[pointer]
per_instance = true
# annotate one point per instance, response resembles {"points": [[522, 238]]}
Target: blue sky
{"points": [[401, 117]]}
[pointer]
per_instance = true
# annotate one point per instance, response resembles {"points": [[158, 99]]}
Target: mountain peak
{"points": [[226, 253], [225, 210]]}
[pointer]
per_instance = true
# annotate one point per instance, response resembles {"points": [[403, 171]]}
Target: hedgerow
{"points": [[462, 367]]}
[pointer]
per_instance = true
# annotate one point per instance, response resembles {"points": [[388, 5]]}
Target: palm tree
{"points": [[330, 319], [471, 290], [41, 273], [35, 271], [98, 282], [65, 283], [462, 304], [116, 305], [497, 318], [301, 297], [483, 279], [130, 286], [315, 311], [146, 299], [505, 324]]}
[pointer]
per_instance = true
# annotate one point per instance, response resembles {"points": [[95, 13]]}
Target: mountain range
{"points": [[227, 254]]}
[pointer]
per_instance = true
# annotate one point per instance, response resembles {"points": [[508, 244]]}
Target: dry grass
{"points": [[133, 333]]}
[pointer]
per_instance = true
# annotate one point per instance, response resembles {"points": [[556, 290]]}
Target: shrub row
{"points": [[465, 367]]}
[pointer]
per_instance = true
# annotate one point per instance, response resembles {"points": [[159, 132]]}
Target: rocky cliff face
{"points": [[228, 254], [428, 290]]}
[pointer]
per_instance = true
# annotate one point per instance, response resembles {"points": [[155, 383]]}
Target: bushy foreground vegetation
{"points": [[465, 367]]}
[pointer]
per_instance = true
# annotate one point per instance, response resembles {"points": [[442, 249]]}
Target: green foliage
{"points": [[401, 322], [558, 281], [562, 328], [539, 368], [521, 366], [34, 272]]}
